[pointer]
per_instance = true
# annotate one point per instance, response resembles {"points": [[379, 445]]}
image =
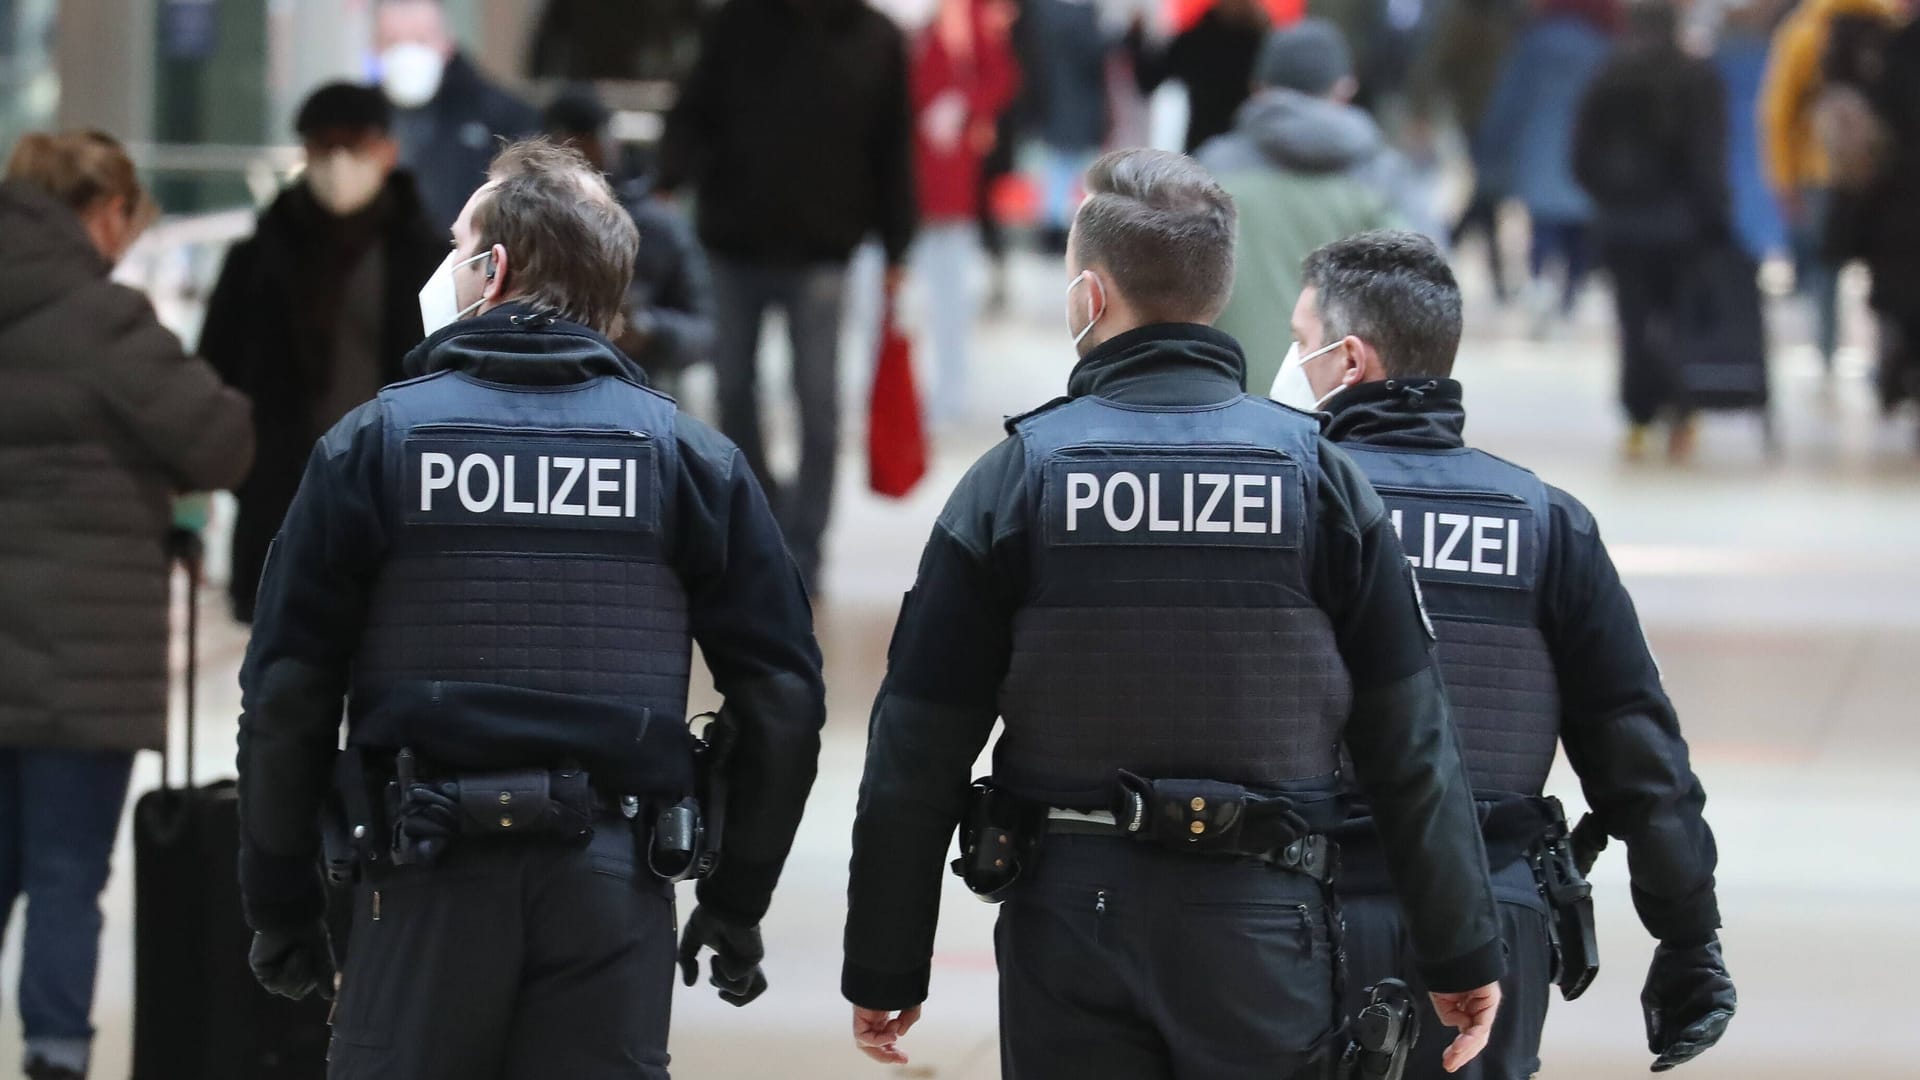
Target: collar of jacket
{"points": [[1162, 364], [517, 344], [1412, 414]]}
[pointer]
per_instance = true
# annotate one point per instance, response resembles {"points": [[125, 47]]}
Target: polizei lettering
{"points": [[545, 481], [1252, 502], [1466, 542]]}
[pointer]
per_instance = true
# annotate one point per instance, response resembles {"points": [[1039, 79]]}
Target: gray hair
{"points": [[1161, 228], [1393, 290]]}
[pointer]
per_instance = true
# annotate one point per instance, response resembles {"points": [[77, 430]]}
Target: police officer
{"points": [[499, 567], [1540, 648], [1179, 598]]}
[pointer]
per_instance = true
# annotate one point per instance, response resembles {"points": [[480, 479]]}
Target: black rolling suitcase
{"points": [[198, 1014], [1722, 347]]}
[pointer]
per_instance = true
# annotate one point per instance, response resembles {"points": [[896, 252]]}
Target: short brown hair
{"points": [[80, 168], [570, 242], [1393, 290], [1162, 228]]}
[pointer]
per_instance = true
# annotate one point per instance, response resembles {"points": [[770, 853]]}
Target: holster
{"points": [[999, 840], [1570, 929], [1384, 1034]]}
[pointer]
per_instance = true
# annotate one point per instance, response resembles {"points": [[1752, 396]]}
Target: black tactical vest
{"points": [[1475, 529], [1169, 628], [527, 613]]}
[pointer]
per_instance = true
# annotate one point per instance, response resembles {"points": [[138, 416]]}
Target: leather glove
{"points": [[737, 952], [429, 816], [1688, 1001], [294, 962]]}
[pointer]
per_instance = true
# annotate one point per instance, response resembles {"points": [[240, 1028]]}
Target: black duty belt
{"points": [[1315, 855]]}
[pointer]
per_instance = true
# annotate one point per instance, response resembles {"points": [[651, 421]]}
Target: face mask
{"points": [[345, 182], [410, 73], [439, 301], [1291, 387], [1085, 275]]}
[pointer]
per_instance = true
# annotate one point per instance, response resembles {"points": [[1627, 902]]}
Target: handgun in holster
{"points": [[684, 838], [999, 841], [1384, 1033], [1570, 927]]}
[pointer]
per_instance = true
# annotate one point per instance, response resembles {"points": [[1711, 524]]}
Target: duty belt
{"points": [[1315, 855]]}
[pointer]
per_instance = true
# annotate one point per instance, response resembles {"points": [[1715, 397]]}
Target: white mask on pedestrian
{"points": [[1092, 316], [344, 182], [1291, 386], [410, 73], [440, 301]]}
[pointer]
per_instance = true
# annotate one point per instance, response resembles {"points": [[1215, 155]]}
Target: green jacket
{"points": [[1304, 172]]}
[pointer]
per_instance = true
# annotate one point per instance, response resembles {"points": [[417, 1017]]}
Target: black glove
{"points": [[294, 962], [1588, 840], [737, 952], [429, 816], [1688, 1000]]}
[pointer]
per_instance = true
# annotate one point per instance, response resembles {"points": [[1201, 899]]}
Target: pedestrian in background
{"points": [[1740, 56], [1213, 59], [669, 310], [1526, 136], [451, 117], [105, 418], [1650, 148], [1796, 159], [963, 78], [1305, 167], [795, 131], [1470, 46], [313, 313], [1069, 84]]}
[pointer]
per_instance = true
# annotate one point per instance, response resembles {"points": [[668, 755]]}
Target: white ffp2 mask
{"points": [[410, 73], [439, 301], [1290, 386]]}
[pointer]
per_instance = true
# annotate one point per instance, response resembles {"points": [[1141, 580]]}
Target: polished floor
{"points": [[1782, 597]]}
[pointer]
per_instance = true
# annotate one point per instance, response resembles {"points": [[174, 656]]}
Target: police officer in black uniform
{"points": [[499, 568], [1181, 600], [1540, 648]]}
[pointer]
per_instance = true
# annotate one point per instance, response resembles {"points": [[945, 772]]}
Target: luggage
{"points": [[1721, 325], [198, 1014]]}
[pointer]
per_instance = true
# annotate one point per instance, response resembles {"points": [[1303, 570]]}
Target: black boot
{"points": [[38, 1069]]}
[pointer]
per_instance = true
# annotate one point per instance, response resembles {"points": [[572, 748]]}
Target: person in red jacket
{"points": [[963, 77]]}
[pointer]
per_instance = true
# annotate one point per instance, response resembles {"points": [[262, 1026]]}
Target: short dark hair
{"points": [[1393, 290], [344, 106], [576, 111], [1162, 229], [570, 241]]}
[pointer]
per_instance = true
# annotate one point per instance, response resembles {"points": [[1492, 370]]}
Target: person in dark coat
{"points": [[1067, 74], [669, 310], [1881, 224], [103, 420], [1650, 148], [1213, 59], [450, 117], [795, 131], [313, 313]]}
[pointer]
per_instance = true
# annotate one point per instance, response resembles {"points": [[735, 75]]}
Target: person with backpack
{"points": [[1650, 148], [1799, 161]]}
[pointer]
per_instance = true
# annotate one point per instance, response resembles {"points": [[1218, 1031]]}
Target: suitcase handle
{"points": [[185, 548]]}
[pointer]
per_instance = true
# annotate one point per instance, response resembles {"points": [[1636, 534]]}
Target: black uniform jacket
{"points": [[950, 651], [747, 612], [1619, 730]]}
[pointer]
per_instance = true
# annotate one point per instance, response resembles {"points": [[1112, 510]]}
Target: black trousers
{"points": [[1646, 290], [516, 960], [1124, 962], [1378, 948]]}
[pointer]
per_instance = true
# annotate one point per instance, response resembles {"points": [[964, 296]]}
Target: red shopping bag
{"points": [[896, 434]]}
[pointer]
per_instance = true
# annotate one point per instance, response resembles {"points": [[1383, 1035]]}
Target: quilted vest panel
{"points": [[1475, 529], [1169, 628], [528, 610]]}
